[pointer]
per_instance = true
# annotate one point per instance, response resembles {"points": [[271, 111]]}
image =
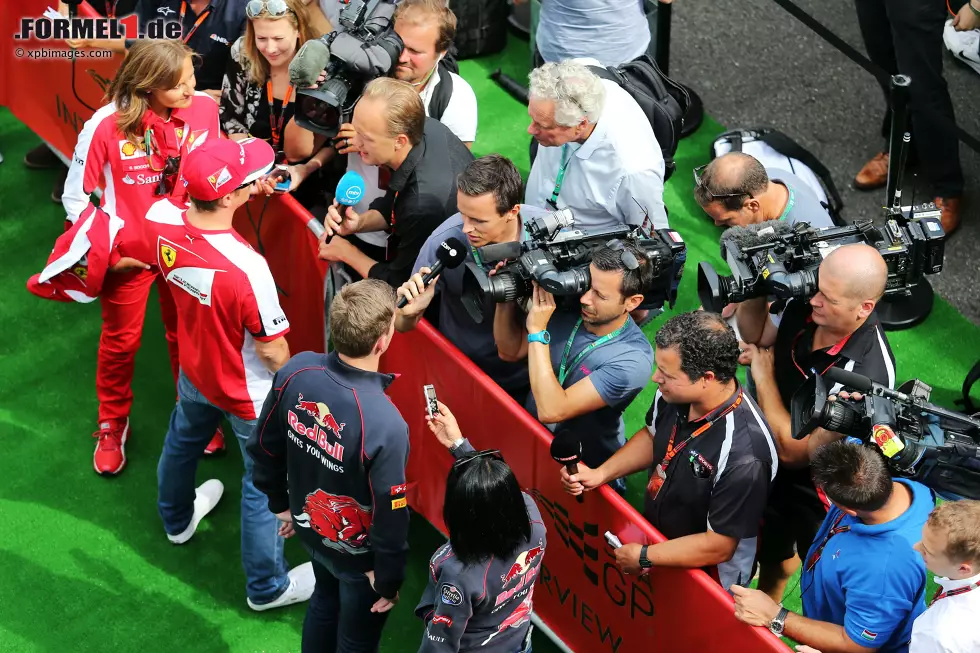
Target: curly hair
{"points": [[705, 342]]}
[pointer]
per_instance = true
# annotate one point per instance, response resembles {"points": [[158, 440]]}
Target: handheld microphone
{"points": [[350, 188], [449, 255], [567, 451], [309, 62], [863, 384]]}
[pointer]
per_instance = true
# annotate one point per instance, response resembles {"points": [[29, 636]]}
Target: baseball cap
{"points": [[219, 166]]}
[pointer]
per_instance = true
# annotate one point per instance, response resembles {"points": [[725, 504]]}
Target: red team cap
{"points": [[218, 167]]}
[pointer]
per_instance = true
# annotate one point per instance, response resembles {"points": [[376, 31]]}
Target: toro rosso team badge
{"points": [[341, 521]]}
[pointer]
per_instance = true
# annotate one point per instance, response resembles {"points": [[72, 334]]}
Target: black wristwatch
{"points": [[779, 622], [644, 561]]}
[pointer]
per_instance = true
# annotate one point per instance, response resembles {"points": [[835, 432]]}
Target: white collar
{"points": [[948, 584]]}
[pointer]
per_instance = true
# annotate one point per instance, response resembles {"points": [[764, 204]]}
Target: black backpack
{"points": [[481, 26], [663, 100], [444, 91]]}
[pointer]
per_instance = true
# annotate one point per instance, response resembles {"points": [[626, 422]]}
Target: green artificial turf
{"points": [[84, 562]]}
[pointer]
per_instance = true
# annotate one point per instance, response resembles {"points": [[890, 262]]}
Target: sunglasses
{"points": [[714, 196], [274, 8], [493, 453], [170, 168], [625, 256]]}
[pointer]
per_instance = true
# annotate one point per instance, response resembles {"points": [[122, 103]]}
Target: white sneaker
{"points": [[301, 583], [965, 46], [207, 496]]}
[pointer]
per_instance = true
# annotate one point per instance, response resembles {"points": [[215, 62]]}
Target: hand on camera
{"points": [[582, 481], [344, 226], [344, 140], [542, 308], [844, 394], [418, 295], [444, 426]]}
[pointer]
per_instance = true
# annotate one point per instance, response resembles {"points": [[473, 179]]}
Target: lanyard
{"points": [[197, 23], [836, 529], [561, 175], [789, 203], [277, 128], [671, 451], [942, 594], [792, 354], [151, 146], [478, 259], [563, 369]]}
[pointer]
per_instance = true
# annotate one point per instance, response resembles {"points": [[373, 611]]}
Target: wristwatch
{"points": [[540, 336], [456, 445], [644, 561], [778, 623]]}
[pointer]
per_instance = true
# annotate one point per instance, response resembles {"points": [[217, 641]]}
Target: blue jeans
{"points": [[192, 424], [339, 617]]}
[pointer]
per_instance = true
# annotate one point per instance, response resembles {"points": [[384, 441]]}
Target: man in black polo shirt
{"points": [[836, 328], [710, 455], [423, 157], [209, 27]]}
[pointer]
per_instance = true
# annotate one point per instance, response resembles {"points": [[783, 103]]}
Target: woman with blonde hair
{"points": [[132, 149], [257, 98]]}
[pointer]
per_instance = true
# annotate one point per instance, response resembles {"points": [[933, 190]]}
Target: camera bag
{"points": [[663, 100]]}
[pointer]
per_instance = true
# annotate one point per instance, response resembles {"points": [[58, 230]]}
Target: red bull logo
{"points": [[318, 435], [523, 562], [320, 412], [342, 522]]}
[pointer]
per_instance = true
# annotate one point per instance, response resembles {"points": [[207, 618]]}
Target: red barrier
{"points": [[581, 595]]}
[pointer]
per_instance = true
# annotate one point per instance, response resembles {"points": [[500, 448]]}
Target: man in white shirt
{"points": [[612, 31], [950, 546], [597, 154], [427, 28]]}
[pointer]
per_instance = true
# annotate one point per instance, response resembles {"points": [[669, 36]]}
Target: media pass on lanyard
{"points": [[656, 481]]}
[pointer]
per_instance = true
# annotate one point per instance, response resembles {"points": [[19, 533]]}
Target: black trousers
{"points": [[906, 36], [339, 617]]}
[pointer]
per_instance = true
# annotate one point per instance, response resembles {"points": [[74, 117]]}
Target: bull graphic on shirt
{"points": [[520, 616], [523, 563], [341, 521]]}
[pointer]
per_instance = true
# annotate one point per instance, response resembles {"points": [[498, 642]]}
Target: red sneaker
{"points": [[110, 450], [217, 443]]}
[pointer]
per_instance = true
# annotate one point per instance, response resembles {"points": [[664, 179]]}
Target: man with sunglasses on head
{"points": [[736, 190], [837, 327], [585, 365], [863, 583], [330, 454], [232, 334], [709, 453]]}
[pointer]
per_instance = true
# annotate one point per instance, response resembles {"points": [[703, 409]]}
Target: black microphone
{"points": [[449, 255], [863, 384], [567, 451]]}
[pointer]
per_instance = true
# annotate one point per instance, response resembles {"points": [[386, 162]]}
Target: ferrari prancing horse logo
{"points": [[168, 254]]}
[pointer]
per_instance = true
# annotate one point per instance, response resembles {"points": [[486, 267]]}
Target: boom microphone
{"points": [[756, 234], [449, 255], [309, 62], [863, 384], [567, 451]]}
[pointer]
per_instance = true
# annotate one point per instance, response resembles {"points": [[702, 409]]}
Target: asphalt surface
{"points": [[755, 65]]}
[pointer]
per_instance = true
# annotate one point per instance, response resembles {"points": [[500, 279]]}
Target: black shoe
{"points": [[42, 158]]}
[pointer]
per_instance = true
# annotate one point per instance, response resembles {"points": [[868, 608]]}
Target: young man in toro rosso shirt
{"points": [[330, 453]]}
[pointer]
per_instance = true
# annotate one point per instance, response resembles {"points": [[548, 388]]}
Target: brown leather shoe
{"points": [[42, 158], [874, 174], [950, 217]]}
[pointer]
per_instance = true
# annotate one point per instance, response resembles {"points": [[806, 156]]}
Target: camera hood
{"points": [[807, 406], [709, 288]]}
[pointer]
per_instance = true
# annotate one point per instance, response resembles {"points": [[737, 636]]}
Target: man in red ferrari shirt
{"points": [[231, 329]]}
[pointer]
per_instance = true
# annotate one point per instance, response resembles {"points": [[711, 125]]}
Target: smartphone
{"points": [[281, 176], [612, 540], [431, 403]]}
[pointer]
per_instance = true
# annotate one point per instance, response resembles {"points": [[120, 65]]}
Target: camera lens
{"points": [[839, 417], [503, 287], [713, 291]]}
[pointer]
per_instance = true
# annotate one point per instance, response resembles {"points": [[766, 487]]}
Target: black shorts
{"points": [[790, 523]]}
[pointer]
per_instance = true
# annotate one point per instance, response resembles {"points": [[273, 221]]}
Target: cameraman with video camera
{"points": [[601, 359], [837, 327]]}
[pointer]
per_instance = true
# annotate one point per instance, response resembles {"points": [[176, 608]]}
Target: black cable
{"points": [[257, 228]]}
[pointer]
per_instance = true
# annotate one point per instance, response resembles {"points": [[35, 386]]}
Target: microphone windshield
{"points": [[847, 379], [756, 234], [309, 62], [451, 253], [566, 449], [350, 188]]}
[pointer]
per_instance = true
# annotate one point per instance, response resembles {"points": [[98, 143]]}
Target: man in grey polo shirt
{"points": [[736, 190], [599, 361], [488, 196]]}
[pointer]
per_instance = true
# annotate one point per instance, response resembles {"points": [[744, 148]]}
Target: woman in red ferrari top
{"points": [[132, 149]]}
